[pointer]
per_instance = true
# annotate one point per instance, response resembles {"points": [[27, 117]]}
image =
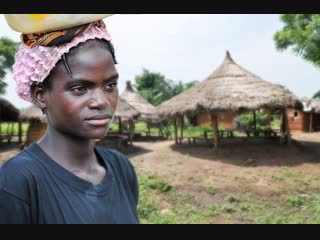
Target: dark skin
{"points": [[79, 110]]}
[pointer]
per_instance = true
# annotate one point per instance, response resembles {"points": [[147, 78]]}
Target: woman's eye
{"points": [[111, 86], [79, 90]]}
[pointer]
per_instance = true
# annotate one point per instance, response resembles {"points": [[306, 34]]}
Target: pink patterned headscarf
{"points": [[35, 64]]}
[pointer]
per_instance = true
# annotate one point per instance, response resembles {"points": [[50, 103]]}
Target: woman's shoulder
{"points": [[16, 173], [18, 163]]}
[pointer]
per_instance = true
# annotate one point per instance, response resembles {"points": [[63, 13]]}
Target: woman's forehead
{"points": [[92, 64]]}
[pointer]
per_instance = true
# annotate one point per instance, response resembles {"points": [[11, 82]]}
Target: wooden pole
{"points": [[182, 126], [254, 121], [149, 129], [214, 121], [282, 127], [20, 131], [287, 127], [175, 130], [285, 131], [0, 128], [311, 121], [120, 125], [131, 127], [269, 121], [0, 124]]}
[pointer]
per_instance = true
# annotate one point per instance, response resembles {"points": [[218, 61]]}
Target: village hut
{"points": [[307, 119], [230, 88], [37, 124], [126, 113], [148, 112], [8, 114]]}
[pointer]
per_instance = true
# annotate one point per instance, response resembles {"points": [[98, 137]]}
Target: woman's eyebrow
{"points": [[79, 82], [76, 82], [112, 78]]}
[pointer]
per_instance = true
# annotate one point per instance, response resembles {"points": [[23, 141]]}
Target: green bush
{"points": [[245, 121]]}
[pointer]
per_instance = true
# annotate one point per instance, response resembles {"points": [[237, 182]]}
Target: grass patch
{"points": [[151, 209], [277, 178], [158, 184], [159, 204], [232, 199], [288, 174], [210, 190]]}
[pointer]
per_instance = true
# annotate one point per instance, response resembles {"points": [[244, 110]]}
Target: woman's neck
{"points": [[69, 151]]}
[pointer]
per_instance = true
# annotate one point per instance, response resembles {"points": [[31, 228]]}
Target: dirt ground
{"points": [[262, 166], [255, 165]]}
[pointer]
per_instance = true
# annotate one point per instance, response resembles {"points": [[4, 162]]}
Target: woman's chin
{"points": [[97, 135]]}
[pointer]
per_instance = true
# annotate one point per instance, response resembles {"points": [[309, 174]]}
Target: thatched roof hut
{"points": [[32, 113], [229, 88], [8, 112], [37, 124], [147, 111], [307, 119], [125, 111]]}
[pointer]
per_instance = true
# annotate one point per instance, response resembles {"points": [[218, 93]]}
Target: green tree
{"points": [[302, 33], [188, 85], [316, 95], [156, 88], [8, 49]]}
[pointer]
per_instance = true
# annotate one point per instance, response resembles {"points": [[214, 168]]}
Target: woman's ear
{"points": [[38, 92]]}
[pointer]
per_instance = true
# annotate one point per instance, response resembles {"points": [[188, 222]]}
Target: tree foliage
{"points": [[156, 88], [8, 49], [316, 95], [302, 33]]}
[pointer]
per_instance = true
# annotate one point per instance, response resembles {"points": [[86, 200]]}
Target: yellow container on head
{"points": [[33, 23]]}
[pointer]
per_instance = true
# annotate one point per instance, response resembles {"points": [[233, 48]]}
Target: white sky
{"points": [[190, 47]]}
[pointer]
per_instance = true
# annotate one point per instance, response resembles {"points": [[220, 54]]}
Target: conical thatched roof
{"points": [[32, 113], [126, 111], [147, 110], [229, 88], [8, 112]]}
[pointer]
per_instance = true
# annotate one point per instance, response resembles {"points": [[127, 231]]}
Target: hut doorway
{"points": [[313, 122], [316, 125]]}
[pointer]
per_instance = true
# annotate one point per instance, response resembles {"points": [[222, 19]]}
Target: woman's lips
{"points": [[98, 122]]}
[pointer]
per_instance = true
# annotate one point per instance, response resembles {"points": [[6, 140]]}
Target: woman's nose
{"points": [[99, 100]]}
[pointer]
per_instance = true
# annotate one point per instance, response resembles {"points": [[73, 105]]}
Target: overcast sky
{"points": [[190, 47]]}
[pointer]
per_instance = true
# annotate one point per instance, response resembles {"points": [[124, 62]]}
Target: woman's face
{"points": [[83, 106]]}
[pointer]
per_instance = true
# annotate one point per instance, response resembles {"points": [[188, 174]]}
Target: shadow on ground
{"points": [[255, 152]]}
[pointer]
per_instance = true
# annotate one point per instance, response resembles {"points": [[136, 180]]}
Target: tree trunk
{"points": [[214, 121]]}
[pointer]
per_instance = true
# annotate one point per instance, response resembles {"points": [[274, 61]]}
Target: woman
{"points": [[64, 178]]}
